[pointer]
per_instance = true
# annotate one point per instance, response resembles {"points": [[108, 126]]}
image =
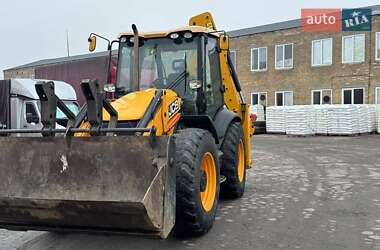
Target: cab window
{"points": [[31, 114]]}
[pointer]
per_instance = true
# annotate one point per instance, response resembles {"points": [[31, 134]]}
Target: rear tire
{"points": [[232, 166], [195, 211]]}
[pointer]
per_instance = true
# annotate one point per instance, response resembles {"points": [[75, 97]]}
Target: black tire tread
{"points": [[231, 188], [187, 212]]}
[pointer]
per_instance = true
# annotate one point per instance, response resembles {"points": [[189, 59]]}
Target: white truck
{"points": [[20, 106]]}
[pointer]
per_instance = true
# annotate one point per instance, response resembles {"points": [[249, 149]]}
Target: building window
{"points": [[378, 46], [322, 52], [233, 58], [353, 49], [377, 95], [284, 56], [284, 98], [353, 96], [259, 98], [321, 96], [259, 59]]}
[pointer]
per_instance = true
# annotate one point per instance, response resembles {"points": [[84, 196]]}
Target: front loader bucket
{"points": [[104, 183]]}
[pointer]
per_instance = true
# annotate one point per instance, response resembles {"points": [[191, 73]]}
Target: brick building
{"points": [[279, 64]]}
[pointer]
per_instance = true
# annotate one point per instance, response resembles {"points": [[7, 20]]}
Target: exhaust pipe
{"points": [[136, 63]]}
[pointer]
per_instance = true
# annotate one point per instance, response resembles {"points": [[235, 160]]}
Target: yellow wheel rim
{"points": [[241, 161], [209, 170]]}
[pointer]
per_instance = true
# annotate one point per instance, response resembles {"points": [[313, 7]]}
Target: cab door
{"points": [[213, 83]]}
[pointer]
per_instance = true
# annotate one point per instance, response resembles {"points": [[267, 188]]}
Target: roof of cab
{"points": [[26, 87], [159, 34]]}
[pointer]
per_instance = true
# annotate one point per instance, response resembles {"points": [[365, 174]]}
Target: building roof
{"points": [[296, 23], [266, 28], [63, 60], [26, 87]]}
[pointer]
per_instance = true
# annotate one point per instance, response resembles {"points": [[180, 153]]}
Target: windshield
{"points": [[164, 62], [71, 105]]}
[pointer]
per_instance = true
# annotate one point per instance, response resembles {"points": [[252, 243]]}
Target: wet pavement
{"points": [[303, 193]]}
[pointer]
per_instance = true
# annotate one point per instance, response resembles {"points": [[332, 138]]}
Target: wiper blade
{"points": [[184, 74], [176, 81]]}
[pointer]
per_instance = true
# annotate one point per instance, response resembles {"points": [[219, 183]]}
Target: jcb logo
{"points": [[173, 108]]}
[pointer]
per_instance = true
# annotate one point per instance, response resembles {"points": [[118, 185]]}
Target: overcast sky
{"points": [[34, 30]]}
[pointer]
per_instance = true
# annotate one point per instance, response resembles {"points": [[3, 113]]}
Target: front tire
{"points": [[197, 191]]}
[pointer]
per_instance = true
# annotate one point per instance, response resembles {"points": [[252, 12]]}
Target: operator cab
{"points": [[184, 61]]}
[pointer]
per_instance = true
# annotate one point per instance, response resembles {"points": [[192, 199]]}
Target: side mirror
{"points": [[31, 118], [224, 42], [92, 43], [195, 84]]}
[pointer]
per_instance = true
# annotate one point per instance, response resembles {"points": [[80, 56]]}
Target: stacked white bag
{"points": [[378, 118], [321, 119], [342, 120], [363, 118], [372, 118], [258, 110], [300, 120], [275, 121]]}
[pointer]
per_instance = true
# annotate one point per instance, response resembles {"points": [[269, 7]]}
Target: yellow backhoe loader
{"points": [[150, 154]]}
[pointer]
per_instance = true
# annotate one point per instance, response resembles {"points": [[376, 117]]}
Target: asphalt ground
{"points": [[303, 193]]}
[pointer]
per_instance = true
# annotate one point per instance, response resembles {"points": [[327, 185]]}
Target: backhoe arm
{"points": [[233, 97]]}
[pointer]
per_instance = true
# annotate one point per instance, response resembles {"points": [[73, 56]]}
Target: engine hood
{"points": [[132, 106]]}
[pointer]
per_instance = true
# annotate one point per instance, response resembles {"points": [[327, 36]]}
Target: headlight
{"points": [[188, 35], [174, 35]]}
